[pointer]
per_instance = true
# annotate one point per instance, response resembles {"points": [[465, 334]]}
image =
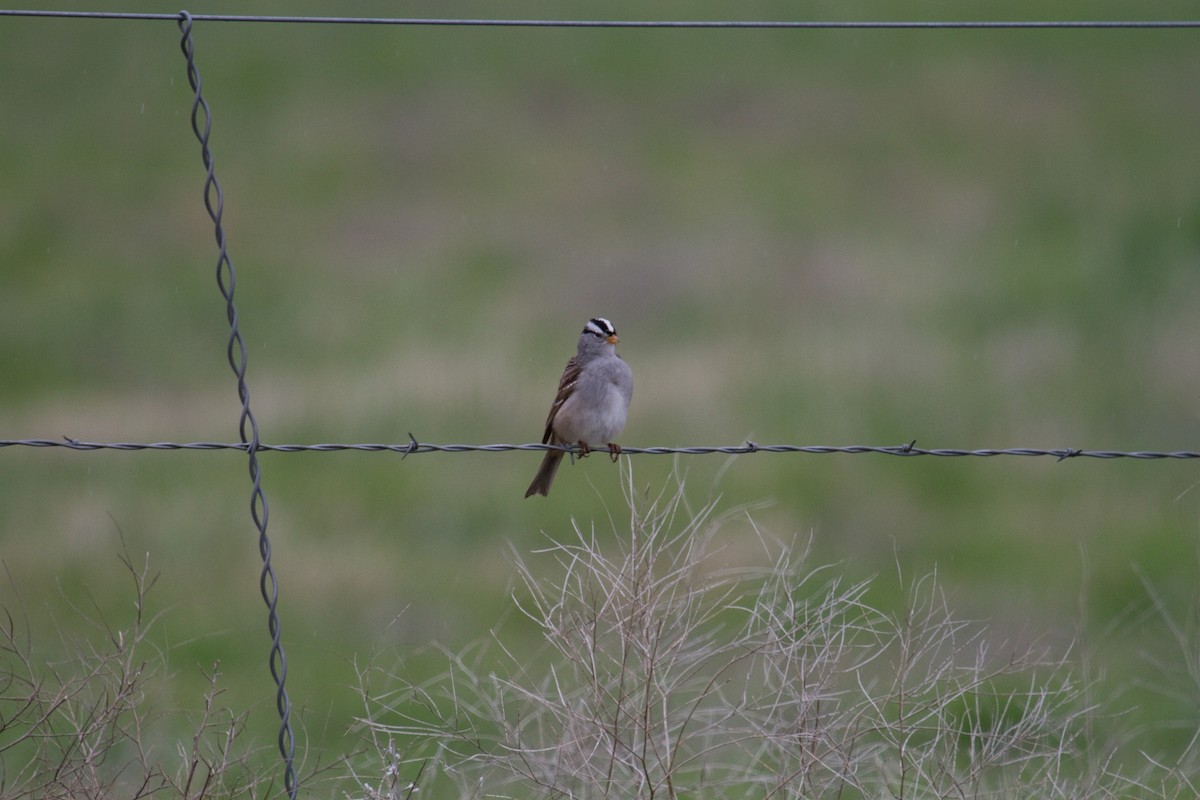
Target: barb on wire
{"points": [[247, 424], [413, 446]]}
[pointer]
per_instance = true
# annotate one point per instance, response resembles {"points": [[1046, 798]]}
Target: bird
{"points": [[592, 402]]}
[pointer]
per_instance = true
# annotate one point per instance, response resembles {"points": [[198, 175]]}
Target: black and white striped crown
{"points": [[599, 326]]}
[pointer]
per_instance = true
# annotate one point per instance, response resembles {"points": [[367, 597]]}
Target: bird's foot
{"points": [[614, 450], [584, 449]]}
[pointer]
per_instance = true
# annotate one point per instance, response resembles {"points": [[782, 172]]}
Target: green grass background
{"points": [[972, 239]]}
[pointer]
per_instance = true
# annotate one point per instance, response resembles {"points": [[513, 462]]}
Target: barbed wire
{"points": [[414, 447], [268, 583], [627, 23]]}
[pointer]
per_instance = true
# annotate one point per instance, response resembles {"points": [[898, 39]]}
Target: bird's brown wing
{"points": [[566, 385]]}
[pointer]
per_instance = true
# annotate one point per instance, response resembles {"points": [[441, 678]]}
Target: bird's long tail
{"points": [[545, 474]]}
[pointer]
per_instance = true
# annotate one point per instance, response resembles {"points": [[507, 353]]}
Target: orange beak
{"points": [[612, 339]]}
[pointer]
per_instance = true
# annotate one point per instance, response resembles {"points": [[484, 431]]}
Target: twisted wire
{"points": [[627, 23], [247, 425], [413, 447]]}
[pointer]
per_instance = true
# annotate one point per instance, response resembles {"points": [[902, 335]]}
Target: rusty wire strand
{"points": [[247, 424], [413, 446]]}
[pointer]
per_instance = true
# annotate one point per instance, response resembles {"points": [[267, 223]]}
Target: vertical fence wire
{"points": [[247, 424]]}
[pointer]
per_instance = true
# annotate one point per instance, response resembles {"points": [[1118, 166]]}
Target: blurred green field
{"points": [[973, 239]]}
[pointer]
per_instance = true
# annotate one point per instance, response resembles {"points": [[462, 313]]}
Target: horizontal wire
{"points": [[414, 447], [612, 23]]}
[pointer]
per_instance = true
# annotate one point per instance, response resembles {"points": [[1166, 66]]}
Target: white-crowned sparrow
{"points": [[592, 402]]}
